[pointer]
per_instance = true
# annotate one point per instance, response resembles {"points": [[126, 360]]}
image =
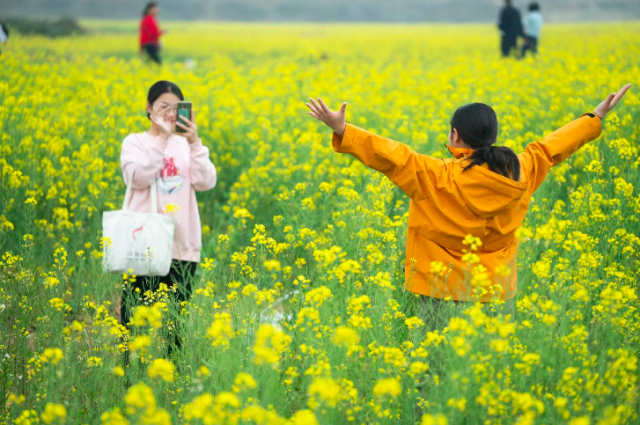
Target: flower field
{"points": [[299, 313]]}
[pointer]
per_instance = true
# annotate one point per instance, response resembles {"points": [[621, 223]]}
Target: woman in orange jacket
{"points": [[483, 192]]}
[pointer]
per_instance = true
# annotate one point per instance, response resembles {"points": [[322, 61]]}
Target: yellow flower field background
{"points": [[299, 315]]}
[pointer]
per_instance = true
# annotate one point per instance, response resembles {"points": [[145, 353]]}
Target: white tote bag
{"points": [[138, 243]]}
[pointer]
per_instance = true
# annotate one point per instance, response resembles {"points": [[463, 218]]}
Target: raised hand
{"points": [[333, 119], [610, 102], [165, 127]]}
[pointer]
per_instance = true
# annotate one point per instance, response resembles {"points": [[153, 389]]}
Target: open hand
{"points": [[610, 102], [334, 119], [164, 126], [190, 131]]}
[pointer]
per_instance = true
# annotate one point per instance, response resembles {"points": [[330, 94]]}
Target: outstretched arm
{"points": [[540, 156], [610, 102], [410, 171]]}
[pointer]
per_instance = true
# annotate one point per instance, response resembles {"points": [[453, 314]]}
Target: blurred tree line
{"points": [[322, 10], [60, 27]]}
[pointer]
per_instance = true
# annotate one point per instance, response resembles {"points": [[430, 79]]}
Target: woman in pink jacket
{"points": [[180, 166]]}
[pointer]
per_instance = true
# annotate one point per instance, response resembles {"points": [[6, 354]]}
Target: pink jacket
{"points": [[179, 169]]}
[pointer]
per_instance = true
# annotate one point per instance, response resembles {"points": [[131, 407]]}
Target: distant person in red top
{"points": [[150, 32]]}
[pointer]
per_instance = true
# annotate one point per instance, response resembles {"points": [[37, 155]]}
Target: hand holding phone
{"points": [[184, 110], [185, 124]]}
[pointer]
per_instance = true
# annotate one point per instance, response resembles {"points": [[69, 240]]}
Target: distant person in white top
{"points": [[532, 24], [4, 33]]}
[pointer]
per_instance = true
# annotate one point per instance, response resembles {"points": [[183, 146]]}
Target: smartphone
{"points": [[184, 110]]}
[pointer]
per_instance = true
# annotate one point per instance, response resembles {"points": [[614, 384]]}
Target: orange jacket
{"points": [[447, 204]]}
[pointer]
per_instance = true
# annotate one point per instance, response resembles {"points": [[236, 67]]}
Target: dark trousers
{"points": [[153, 50], [181, 274], [508, 43], [530, 43], [436, 312]]}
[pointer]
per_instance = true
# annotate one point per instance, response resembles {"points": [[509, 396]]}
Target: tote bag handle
{"points": [[153, 201]]}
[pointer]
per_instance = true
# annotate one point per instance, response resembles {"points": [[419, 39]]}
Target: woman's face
{"points": [[154, 11], [165, 106]]}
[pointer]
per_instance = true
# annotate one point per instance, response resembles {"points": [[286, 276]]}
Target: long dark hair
{"points": [[161, 87], [477, 126], [148, 7]]}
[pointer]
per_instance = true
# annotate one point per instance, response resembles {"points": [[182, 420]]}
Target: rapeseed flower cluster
{"points": [[298, 313]]}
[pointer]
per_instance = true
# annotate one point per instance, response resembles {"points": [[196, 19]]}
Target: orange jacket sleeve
{"points": [[538, 158], [412, 172]]}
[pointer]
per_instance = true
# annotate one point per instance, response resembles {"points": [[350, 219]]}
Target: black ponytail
{"points": [[477, 126]]}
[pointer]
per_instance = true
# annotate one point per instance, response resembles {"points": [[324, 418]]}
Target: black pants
{"points": [[508, 43], [436, 312], [530, 43], [181, 274], [153, 50]]}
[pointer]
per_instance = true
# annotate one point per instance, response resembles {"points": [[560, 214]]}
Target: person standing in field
{"points": [[532, 26], [150, 32], [180, 167], [510, 25], [465, 211], [4, 33]]}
